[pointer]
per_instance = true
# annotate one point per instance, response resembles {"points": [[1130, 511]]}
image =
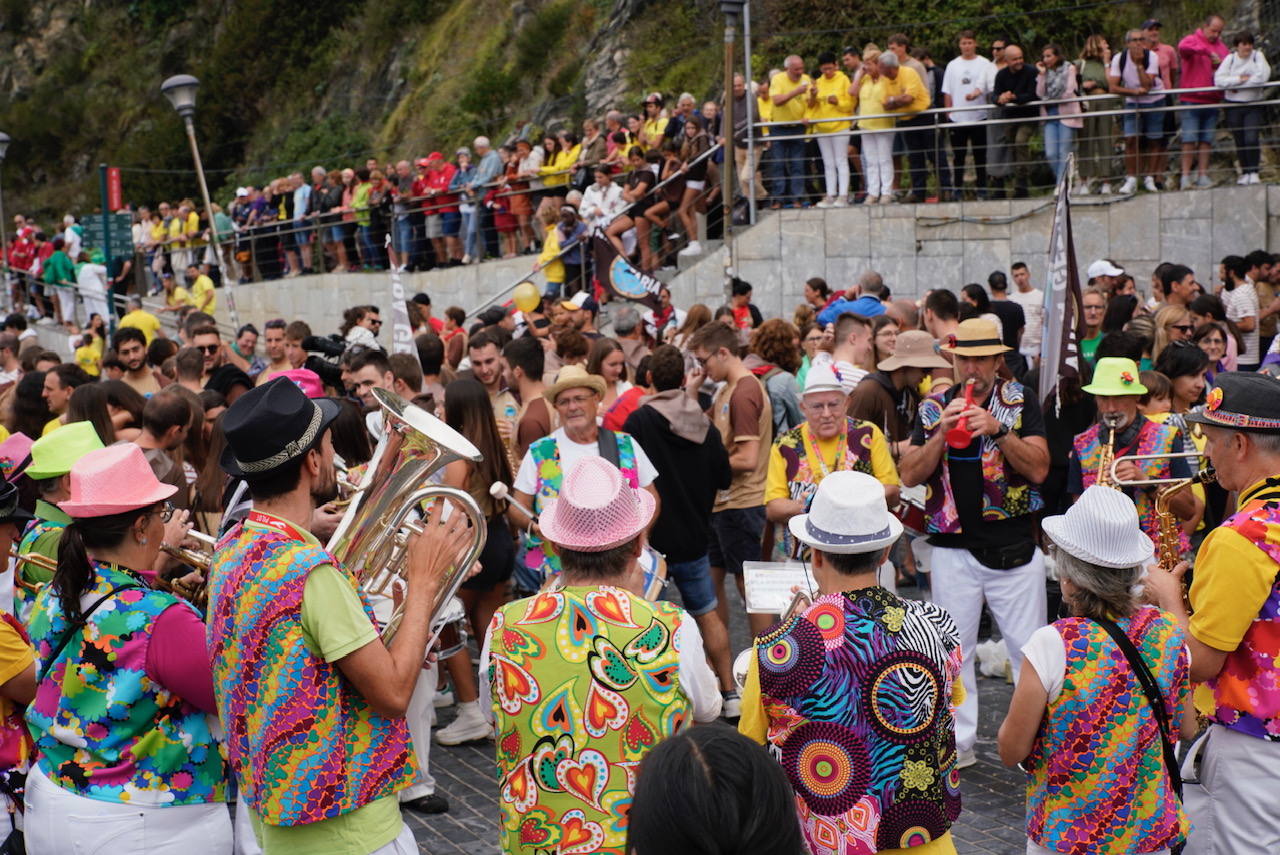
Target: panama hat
{"points": [[596, 509], [54, 454], [848, 516], [1101, 528], [915, 349], [823, 377], [113, 480], [1115, 376], [974, 337], [574, 377]]}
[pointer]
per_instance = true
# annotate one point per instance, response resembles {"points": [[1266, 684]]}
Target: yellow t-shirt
{"points": [[179, 297], [158, 231], [652, 129], [908, 82], [777, 485], [202, 294], [764, 113], [51, 425], [793, 110], [552, 266], [871, 98], [142, 320], [191, 229], [175, 231], [837, 85], [89, 357]]}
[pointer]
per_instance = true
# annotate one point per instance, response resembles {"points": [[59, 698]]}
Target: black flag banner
{"points": [[1060, 348], [620, 277]]}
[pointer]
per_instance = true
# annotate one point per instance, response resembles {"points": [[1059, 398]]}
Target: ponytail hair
{"points": [[74, 576]]}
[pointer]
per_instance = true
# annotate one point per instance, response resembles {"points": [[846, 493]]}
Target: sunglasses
{"points": [[1185, 329], [376, 322], [208, 348]]}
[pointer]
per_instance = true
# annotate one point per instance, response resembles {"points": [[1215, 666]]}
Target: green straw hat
{"points": [[56, 453], [1114, 376]]}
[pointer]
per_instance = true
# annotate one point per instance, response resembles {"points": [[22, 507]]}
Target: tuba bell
{"points": [[372, 538]]}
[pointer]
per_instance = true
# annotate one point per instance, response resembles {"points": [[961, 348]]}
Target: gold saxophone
{"points": [[1110, 422]]}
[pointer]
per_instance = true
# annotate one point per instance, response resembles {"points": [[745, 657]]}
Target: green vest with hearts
{"points": [[585, 680]]}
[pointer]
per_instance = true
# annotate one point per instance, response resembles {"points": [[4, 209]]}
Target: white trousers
{"points": [[59, 822], [1017, 599], [877, 162], [421, 707], [1233, 808], [835, 164]]}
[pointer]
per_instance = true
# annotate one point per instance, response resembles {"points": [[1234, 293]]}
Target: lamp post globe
{"points": [[181, 92]]}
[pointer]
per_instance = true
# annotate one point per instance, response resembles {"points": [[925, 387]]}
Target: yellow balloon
{"points": [[527, 297]]}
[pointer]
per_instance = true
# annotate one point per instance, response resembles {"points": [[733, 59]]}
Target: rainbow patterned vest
{"points": [[1005, 492], [1245, 696], [102, 729], [304, 745], [802, 481], [1097, 779], [1152, 438], [585, 681], [540, 556]]}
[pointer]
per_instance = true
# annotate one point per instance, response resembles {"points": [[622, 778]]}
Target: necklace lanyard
{"points": [[841, 448], [275, 524]]}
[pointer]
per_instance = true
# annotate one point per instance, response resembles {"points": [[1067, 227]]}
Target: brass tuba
{"points": [[372, 538]]}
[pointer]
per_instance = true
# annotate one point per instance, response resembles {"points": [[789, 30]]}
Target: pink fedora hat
{"points": [[15, 453], [306, 380], [113, 480], [597, 509]]}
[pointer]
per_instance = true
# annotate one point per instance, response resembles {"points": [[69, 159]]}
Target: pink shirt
{"points": [[1168, 61], [1198, 67]]}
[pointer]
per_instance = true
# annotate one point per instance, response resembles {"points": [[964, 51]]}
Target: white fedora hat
{"points": [[848, 516], [823, 377], [1101, 528]]}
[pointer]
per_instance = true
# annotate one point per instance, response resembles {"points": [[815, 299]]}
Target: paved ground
{"points": [[991, 823]]}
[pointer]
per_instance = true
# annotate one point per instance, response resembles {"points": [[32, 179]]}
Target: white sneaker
{"points": [[825, 203], [843, 203], [466, 259], [1149, 184], [694, 248], [1084, 188], [469, 726], [444, 698], [1129, 186], [1243, 179], [965, 759], [886, 199], [1254, 179], [731, 707], [1105, 189], [1204, 181]]}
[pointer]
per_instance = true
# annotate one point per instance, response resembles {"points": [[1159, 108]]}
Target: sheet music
{"points": [[769, 585]]}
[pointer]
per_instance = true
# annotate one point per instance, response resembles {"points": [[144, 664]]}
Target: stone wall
{"points": [[916, 248]]}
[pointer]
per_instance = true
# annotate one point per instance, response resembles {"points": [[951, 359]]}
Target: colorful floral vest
{"points": [[102, 729], [1097, 780], [799, 453], [585, 681], [857, 689], [35, 539], [540, 556], [1152, 438], [1005, 493], [304, 745], [1246, 692]]}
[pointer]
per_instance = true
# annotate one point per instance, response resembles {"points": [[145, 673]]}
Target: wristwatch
{"points": [[1000, 434]]}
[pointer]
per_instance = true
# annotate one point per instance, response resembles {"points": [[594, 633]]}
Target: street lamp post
{"points": [[732, 10], [4, 241], [181, 92]]}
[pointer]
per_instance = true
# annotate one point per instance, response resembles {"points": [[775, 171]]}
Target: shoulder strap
{"points": [[1151, 689], [607, 445], [77, 626]]}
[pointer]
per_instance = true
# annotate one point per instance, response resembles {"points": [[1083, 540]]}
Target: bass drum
{"points": [[910, 510]]}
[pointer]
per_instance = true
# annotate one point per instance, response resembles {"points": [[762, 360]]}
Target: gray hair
{"points": [[574, 198], [1102, 591], [613, 116], [481, 142], [686, 96], [888, 59], [625, 320], [871, 283]]}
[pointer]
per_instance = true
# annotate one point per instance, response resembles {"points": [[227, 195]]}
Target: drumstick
{"points": [[499, 491]]}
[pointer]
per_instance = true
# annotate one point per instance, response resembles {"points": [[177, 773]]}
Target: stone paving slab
{"points": [[991, 822]]}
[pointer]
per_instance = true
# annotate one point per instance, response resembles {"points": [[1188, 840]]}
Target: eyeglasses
{"points": [[165, 511], [824, 407], [376, 322], [208, 348], [1094, 308], [575, 401]]}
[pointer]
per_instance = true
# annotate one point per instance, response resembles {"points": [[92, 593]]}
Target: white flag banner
{"points": [[1059, 348], [401, 329]]}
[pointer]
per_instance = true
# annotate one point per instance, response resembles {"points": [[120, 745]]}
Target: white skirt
{"points": [[59, 822]]}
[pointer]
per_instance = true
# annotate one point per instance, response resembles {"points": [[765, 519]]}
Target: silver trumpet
{"points": [[372, 538]]}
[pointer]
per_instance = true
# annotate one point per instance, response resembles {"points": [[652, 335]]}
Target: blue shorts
{"points": [[402, 235], [338, 233], [693, 578], [1198, 124], [736, 534], [1143, 121], [451, 223]]}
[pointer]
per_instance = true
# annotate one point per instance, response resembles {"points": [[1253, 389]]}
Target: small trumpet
{"points": [[502, 493], [199, 558], [1203, 476]]}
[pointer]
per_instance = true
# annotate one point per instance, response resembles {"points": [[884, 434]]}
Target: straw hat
{"points": [[974, 337], [1101, 528], [1115, 376], [596, 509], [915, 349], [54, 454], [848, 516], [573, 377], [113, 480]]}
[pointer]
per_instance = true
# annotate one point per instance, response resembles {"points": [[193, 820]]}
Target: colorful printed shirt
{"points": [[16, 746], [102, 728], [1235, 601], [584, 682], [798, 462], [854, 695], [304, 744], [1096, 778], [41, 537]]}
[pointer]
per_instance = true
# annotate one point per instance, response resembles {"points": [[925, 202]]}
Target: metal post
{"points": [[751, 113], [227, 288], [4, 249]]}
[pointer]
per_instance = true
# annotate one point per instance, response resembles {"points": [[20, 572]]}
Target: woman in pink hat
{"points": [[124, 694]]}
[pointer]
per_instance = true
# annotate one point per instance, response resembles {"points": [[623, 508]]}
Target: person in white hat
{"points": [[982, 460], [853, 694], [826, 441], [586, 678], [1079, 721]]}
